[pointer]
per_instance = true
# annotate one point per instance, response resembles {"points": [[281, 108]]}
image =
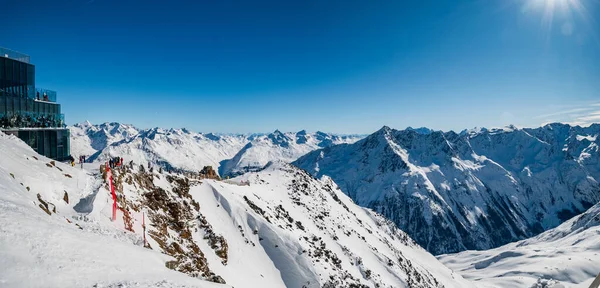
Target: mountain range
{"points": [[278, 227], [474, 190], [183, 150], [518, 204]]}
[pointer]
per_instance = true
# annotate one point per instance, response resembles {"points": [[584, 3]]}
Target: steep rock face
{"points": [[475, 190]]}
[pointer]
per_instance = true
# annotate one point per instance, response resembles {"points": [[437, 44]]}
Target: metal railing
{"points": [[45, 95], [4, 52], [39, 94]]}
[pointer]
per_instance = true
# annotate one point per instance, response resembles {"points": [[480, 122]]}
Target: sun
{"points": [[551, 8]]}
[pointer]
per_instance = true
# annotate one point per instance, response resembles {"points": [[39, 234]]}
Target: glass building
{"points": [[30, 112]]}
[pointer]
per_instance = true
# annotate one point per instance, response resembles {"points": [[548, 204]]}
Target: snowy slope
{"points": [[41, 250], [273, 228], [568, 255], [334, 243], [475, 190], [280, 146]]}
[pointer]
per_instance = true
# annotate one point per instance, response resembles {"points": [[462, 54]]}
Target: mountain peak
{"points": [[421, 130], [384, 129]]}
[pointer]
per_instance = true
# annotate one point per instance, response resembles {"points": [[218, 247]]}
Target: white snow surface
{"points": [[566, 256], [284, 229], [37, 250]]}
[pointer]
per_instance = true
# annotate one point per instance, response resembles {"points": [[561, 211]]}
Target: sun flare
{"points": [[550, 8]]}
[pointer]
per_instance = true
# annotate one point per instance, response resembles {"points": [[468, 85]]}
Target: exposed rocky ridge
{"points": [[55, 229], [309, 220], [168, 208]]}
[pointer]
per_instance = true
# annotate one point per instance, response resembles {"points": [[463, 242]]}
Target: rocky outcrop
{"points": [[209, 173], [170, 210]]}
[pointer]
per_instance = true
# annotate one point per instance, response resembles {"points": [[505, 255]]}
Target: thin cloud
{"points": [[565, 112], [582, 115], [586, 120]]}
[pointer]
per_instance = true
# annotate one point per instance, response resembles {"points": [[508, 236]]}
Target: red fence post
{"points": [[144, 228], [112, 191]]}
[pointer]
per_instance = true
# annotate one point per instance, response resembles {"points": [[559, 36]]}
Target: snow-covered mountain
{"points": [[566, 256], [278, 146], [88, 139], [478, 189], [278, 227], [178, 149], [181, 149]]}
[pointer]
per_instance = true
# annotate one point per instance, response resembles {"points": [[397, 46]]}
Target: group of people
{"points": [[115, 162], [81, 160], [30, 120], [45, 98]]}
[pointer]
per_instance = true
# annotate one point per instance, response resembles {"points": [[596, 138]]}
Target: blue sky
{"points": [[336, 66]]}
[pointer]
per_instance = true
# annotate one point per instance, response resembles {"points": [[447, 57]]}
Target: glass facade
{"points": [[7, 53], [17, 78], [52, 143], [29, 113]]}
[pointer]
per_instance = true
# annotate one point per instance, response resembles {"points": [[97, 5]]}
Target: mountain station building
{"points": [[29, 112]]}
